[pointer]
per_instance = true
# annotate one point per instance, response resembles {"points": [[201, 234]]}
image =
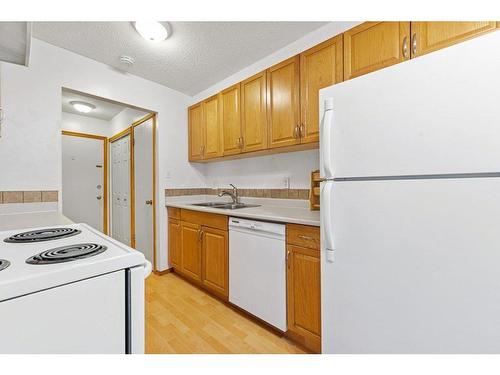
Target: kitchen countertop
{"points": [[32, 220], [278, 210]]}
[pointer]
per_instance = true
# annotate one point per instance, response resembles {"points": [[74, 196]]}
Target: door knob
{"points": [[98, 197], [149, 201]]}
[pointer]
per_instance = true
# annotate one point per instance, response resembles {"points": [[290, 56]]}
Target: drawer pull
{"points": [[303, 237]]}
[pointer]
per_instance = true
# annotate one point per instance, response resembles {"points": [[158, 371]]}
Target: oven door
{"points": [[88, 316]]}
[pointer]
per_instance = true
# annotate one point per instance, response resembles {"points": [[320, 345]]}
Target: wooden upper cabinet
{"points": [[230, 114], [254, 113], [195, 132], [212, 128], [375, 45], [215, 260], [174, 243], [283, 110], [320, 66], [431, 36], [191, 250], [304, 295]]}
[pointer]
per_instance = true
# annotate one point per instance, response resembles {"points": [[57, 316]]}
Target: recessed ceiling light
{"points": [[82, 106], [153, 31]]}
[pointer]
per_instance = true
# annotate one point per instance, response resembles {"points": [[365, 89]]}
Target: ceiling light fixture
{"points": [[153, 31], [82, 106]]}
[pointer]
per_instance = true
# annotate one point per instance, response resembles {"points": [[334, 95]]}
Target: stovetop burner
{"points": [[67, 253], [4, 264], [41, 235]]}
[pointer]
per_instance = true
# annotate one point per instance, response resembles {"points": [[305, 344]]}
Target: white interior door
{"points": [[415, 267], [120, 190], [143, 170], [83, 180]]}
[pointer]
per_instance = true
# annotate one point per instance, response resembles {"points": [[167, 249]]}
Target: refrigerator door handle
{"points": [[326, 220], [326, 146]]}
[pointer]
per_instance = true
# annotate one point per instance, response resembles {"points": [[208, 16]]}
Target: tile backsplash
{"points": [[31, 196], [254, 193]]}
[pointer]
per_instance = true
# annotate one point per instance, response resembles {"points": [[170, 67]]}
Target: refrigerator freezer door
{"points": [[416, 267], [437, 114]]}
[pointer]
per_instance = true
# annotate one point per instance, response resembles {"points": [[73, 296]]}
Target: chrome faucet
{"points": [[233, 194]]}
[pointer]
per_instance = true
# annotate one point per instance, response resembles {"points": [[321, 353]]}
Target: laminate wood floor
{"points": [[181, 318]]}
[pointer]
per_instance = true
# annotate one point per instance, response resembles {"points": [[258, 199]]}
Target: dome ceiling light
{"points": [[153, 31], [82, 107]]}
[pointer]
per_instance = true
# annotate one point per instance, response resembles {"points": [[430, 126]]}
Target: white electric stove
{"points": [[70, 289]]}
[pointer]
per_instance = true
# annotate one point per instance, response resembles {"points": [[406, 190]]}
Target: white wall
{"points": [[265, 171], [269, 171], [30, 147], [124, 119], [84, 124]]}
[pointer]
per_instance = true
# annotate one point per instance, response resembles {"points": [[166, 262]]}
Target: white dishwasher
{"points": [[257, 269]]}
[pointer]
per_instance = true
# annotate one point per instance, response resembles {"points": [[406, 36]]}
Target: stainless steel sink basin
{"points": [[226, 206], [208, 204]]}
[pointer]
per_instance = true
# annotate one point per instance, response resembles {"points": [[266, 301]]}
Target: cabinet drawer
{"points": [[303, 235], [205, 218], [174, 213]]}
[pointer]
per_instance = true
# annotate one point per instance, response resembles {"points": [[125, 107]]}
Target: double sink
{"points": [[225, 206]]}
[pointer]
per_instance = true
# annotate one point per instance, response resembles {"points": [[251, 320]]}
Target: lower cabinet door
{"points": [[191, 237], [304, 296], [215, 272], [174, 243]]}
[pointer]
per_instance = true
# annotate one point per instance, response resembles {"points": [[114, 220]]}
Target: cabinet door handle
{"points": [[296, 131], [304, 237], [288, 254], [200, 235], [414, 44], [301, 131], [241, 142], [405, 47]]}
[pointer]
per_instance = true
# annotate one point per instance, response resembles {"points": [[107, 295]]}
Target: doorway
{"points": [[84, 178], [108, 155]]}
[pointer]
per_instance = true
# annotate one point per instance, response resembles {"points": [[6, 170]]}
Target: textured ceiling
{"points": [[196, 56], [104, 109]]}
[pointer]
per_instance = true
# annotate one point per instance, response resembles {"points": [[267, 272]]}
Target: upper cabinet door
{"points": [[375, 45], [283, 111], [213, 133], [254, 113], [320, 66], [230, 120], [196, 132], [431, 36]]}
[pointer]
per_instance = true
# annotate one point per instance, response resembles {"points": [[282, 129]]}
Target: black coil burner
{"points": [[41, 235], [4, 264], [67, 253]]}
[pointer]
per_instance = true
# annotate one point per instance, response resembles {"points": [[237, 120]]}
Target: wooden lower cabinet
{"points": [[304, 286], [191, 250], [174, 243], [215, 260], [198, 249], [304, 296]]}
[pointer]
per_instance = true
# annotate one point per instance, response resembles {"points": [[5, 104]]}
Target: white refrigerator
{"points": [[410, 205]]}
